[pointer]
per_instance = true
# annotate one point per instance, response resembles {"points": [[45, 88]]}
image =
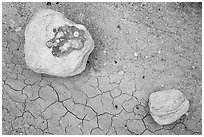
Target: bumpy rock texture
{"points": [[167, 106], [57, 60]]}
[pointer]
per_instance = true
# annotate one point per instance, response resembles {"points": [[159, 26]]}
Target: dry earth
{"points": [[140, 48]]}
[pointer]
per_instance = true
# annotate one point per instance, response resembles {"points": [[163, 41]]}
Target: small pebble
{"points": [[104, 51], [136, 54], [121, 72], [162, 85], [49, 3], [18, 29]]}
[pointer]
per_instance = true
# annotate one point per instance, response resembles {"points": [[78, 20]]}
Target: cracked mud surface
{"points": [[140, 48]]}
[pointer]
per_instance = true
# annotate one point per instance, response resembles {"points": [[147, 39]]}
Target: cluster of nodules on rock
{"points": [[66, 39], [167, 106]]}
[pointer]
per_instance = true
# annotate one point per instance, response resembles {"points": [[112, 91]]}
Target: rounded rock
{"points": [[167, 106], [39, 57]]}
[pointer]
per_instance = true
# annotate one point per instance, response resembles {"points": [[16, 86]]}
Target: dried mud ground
{"points": [[140, 48]]}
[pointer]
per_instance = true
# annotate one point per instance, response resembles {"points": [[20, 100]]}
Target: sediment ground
{"points": [[140, 48]]}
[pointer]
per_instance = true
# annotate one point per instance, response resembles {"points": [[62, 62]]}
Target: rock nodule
{"points": [[167, 106]]}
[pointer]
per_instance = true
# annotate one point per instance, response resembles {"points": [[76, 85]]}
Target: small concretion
{"points": [[55, 45], [167, 106]]}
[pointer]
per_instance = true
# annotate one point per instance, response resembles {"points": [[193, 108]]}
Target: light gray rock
{"points": [[167, 106], [39, 58]]}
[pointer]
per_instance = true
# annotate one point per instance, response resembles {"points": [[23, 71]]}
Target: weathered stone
{"points": [[39, 58], [167, 106]]}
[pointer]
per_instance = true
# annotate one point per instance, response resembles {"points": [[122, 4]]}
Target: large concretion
{"points": [[55, 45], [167, 106]]}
